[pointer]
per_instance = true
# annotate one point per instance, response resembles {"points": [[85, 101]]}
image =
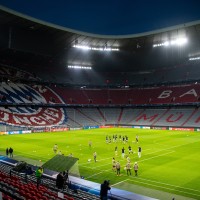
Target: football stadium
{"points": [[87, 115]]}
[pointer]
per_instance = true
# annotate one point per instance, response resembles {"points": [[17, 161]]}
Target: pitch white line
{"points": [[86, 163], [105, 158], [120, 182], [171, 147], [146, 149], [165, 187], [156, 156], [97, 173], [150, 153], [97, 161], [138, 161], [99, 166], [22, 155], [167, 184]]}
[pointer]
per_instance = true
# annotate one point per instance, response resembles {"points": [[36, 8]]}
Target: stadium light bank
{"points": [[177, 42], [95, 48], [194, 58], [79, 67]]}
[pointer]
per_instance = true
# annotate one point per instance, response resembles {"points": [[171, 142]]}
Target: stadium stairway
{"points": [[14, 185]]}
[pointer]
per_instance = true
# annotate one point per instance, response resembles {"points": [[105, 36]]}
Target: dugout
{"points": [[60, 163]]}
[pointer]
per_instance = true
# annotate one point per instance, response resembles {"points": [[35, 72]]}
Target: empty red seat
{"points": [[44, 198]]}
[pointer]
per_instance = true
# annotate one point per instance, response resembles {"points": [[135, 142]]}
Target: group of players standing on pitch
{"points": [[116, 164], [115, 138]]}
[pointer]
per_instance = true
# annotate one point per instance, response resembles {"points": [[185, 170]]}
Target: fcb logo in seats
{"points": [[33, 115]]}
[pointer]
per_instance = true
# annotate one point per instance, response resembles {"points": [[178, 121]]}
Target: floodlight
{"points": [[194, 58], [178, 42], [95, 48], [79, 67], [166, 43], [82, 47], [181, 41]]}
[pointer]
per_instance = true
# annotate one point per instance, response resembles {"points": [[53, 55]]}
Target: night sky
{"points": [[110, 17]]}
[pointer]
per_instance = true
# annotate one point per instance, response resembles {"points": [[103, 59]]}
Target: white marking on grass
{"points": [[156, 151], [37, 156], [180, 145], [97, 174], [138, 161], [165, 187], [158, 182], [156, 156], [88, 167], [98, 161], [120, 182], [155, 142], [110, 158], [171, 148], [146, 149]]}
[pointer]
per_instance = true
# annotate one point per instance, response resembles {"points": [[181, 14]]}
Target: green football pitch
{"points": [[169, 165]]}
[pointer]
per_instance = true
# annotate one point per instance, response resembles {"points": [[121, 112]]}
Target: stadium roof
{"points": [[26, 34], [110, 17]]}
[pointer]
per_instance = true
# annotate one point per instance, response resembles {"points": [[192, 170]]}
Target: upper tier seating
{"points": [[152, 95], [27, 114]]}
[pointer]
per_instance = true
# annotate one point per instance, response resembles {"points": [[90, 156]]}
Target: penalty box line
{"points": [[138, 161], [86, 163], [141, 160], [150, 153]]}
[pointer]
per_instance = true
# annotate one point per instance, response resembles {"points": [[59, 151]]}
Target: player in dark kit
{"points": [[123, 152], [116, 151], [139, 152], [136, 168], [137, 139], [130, 149]]}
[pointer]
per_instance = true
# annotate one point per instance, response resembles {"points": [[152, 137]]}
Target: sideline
{"points": [[167, 184], [172, 189]]}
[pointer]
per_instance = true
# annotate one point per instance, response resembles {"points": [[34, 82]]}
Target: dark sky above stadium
{"points": [[110, 17]]}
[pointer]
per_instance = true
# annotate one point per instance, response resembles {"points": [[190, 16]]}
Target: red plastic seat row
{"points": [[6, 197]]}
